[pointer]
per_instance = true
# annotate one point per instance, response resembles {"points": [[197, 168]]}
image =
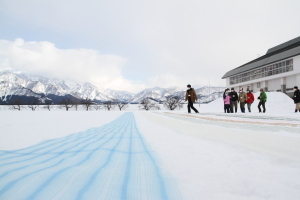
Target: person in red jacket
{"points": [[250, 99]]}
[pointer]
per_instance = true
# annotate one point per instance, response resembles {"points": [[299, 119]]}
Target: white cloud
{"points": [[162, 43], [86, 65], [43, 58]]}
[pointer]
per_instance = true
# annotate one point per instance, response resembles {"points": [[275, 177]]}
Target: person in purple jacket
{"points": [[227, 103]]}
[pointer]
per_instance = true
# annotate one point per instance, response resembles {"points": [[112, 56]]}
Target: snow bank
{"points": [[277, 102]]}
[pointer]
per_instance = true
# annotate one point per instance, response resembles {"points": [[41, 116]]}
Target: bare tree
{"points": [[180, 105], [33, 104], [87, 103], [76, 103], [109, 105], [172, 102], [146, 104], [97, 106], [48, 105], [17, 104], [122, 105], [66, 103], [157, 107]]}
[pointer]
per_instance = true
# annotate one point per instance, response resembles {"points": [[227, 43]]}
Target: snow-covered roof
{"points": [[283, 51]]}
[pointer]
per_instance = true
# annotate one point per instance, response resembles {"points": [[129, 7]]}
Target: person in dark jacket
{"points": [[262, 100], [224, 97], [296, 98], [242, 99], [234, 100], [191, 97]]}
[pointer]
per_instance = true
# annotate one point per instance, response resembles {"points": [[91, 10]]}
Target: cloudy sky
{"points": [[133, 44]]}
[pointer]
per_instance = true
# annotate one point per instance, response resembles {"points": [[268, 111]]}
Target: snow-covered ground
{"points": [[156, 154]]}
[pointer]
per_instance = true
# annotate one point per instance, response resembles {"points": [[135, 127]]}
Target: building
{"points": [[277, 70]]}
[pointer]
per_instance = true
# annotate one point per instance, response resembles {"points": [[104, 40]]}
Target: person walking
{"points": [[262, 100], [234, 100], [250, 99], [191, 97], [242, 99], [227, 103], [296, 98], [224, 96]]}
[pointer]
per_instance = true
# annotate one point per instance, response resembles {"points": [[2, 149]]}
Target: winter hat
{"points": [[188, 85], [296, 87]]}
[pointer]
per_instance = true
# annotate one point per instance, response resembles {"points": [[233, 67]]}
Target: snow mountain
{"points": [[15, 84], [21, 84]]}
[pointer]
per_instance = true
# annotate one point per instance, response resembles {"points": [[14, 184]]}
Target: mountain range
{"points": [[15, 85]]}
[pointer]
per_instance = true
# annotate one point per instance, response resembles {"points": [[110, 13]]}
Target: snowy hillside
{"points": [[157, 93], [22, 84]]}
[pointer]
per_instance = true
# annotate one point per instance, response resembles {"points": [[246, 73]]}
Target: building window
{"points": [[258, 85], [270, 70]]}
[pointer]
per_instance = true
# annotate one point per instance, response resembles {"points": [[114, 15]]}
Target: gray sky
{"points": [[133, 44]]}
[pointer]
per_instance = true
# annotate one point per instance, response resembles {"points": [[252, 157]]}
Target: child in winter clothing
{"points": [[224, 96], [227, 102]]}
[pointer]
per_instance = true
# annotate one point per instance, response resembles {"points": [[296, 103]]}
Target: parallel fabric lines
{"points": [[110, 162]]}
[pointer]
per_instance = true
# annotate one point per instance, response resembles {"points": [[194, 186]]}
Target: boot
{"points": [[296, 111]]}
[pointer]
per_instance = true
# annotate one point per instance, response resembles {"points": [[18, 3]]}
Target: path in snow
{"points": [[248, 126], [279, 141], [262, 116], [110, 162], [236, 120]]}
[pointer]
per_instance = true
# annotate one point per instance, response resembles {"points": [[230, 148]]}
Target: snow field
{"points": [[211, 162], [110, 162], [23, 129], [194, 158]]}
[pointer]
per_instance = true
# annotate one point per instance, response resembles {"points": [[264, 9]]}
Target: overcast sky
{"points": [[134, 44]]}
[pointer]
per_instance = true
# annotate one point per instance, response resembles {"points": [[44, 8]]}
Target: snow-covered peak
{"points": [[24, 84]]}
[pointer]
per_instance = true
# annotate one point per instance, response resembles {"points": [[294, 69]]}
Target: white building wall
{"points": [[273, 83], [298, 79], [296, 63], [290, 81], [297, 70]]}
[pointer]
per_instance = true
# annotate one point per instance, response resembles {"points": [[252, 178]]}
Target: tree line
{"points": [[171, 103]]}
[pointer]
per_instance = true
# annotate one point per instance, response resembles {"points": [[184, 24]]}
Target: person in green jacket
{"points": [[262, 100]]}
